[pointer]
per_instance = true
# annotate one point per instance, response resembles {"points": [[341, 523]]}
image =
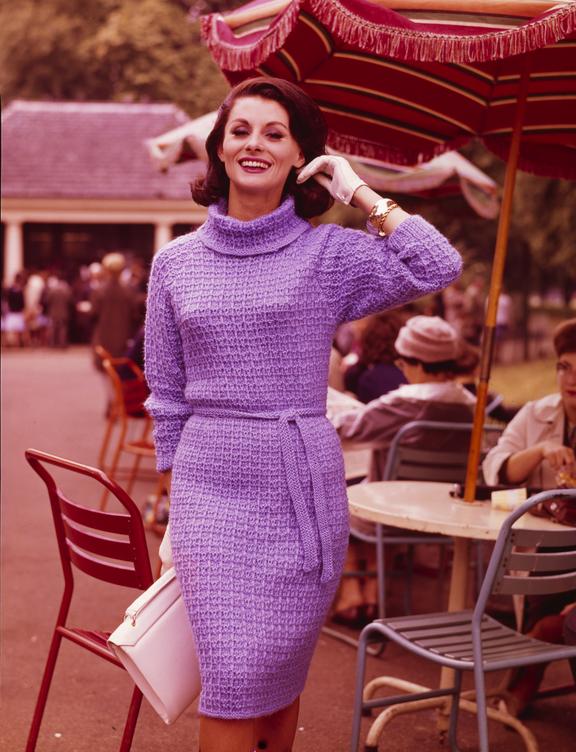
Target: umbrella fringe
{"points": [[391, 41], [408, 44], [234, 57], [357, 147]]}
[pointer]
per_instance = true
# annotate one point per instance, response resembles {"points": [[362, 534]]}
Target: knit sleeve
{"points": [[164, 368], [363, 274]]}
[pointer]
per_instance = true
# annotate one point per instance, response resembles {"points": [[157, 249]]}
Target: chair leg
{"points": [[481, 713], [381, 572], [113, 468], [43, 693], [359, 690], [133, 473], [130, 724], [111, 422], [453, 728], [409, 580]]}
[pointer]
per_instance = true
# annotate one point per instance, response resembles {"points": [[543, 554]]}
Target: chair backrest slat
{"points": [[420, 464], [98, 544], [518, 585], [117, 574], [563, 536], [552, 561], [78, 529], [105, 521], [407, 462], [530, 561]]}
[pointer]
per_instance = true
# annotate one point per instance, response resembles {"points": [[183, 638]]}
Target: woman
{"points": [[538, 447], [240, 320], [375, 373]]}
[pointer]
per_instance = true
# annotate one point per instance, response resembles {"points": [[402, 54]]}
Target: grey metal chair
{"points": [[523, 562], [406, 462]]}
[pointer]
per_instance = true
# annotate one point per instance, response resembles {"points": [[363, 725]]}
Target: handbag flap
{"points": [[145, 611]]}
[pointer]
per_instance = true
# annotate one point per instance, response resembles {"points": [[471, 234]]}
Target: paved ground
{"points": [[54, 402]]}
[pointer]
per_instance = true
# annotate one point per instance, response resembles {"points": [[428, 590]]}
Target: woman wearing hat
{"points": [[428, 348]]}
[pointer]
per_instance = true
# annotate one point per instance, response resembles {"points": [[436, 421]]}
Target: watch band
{"points": [[379, 215]]}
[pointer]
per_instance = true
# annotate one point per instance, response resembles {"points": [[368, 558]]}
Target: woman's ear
{"points": [[300, 161]]}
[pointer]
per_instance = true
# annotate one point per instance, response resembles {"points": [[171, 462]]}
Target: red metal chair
{"points": [[83, 539]]}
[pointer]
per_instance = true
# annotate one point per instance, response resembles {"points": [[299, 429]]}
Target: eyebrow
{"points": [[272, 122]]}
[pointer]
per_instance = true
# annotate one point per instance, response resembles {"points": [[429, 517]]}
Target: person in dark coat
{"points": [[115, 309]]}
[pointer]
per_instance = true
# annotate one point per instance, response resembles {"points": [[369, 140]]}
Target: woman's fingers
{"points": [[324, 180], [319, 164]]}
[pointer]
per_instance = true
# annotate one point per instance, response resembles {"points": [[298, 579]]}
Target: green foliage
{"points": [[139, 50]]}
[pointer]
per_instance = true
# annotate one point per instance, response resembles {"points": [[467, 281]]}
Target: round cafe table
{"points": [[428, 508]]}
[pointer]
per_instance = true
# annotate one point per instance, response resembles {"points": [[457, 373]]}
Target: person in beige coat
{"points": [[538, 447]]}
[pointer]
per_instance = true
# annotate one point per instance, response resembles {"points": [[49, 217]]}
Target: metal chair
{"points": [[109, 547], [523, 562], [128, 396], [410, 463]]}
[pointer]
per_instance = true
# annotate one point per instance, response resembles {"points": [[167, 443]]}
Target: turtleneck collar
{"points": [[265, 234]]}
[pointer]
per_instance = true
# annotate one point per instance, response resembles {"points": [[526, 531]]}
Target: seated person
{"points": [[428, 348], [539, 444], [375, 373], [537, 449]]}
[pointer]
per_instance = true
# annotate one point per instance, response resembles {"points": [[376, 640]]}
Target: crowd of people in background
{"points": [[53, 308]]}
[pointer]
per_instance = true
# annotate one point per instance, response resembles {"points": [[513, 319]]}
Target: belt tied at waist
{"points": [[312, 558]]}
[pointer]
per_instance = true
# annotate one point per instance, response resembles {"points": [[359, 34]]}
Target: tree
{"points": [[106, 50]]}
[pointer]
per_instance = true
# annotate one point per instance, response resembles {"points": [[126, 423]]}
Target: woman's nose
{"points": [[254, 141]]}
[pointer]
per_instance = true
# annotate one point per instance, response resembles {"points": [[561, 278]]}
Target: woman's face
{"points": [[566, 371], [258, 150]]}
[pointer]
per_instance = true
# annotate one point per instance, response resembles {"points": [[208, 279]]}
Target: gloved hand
{"points": [[334, 174]]}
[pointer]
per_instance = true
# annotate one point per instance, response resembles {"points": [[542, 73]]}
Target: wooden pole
{"points": [[495, 288]]}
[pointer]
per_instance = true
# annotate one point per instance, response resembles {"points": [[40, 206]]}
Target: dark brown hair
{"points": [[564, 337], [378, 337], [307, 126]]}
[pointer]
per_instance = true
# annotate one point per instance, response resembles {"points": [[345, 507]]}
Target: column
{"points": [[162, 234], [13, 249]]}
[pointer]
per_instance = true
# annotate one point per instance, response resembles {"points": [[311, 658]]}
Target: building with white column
{"points": [[78, 182]]}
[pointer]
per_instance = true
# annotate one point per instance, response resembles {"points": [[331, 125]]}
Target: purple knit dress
{"points": [[239, 325]]}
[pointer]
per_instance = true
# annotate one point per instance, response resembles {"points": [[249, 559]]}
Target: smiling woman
{"points": [[240, 320]]}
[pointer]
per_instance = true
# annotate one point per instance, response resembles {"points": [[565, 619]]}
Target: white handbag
{"points": [[155, 644]]}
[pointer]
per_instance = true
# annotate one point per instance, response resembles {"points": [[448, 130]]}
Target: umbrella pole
{"points": [[487, 351]]}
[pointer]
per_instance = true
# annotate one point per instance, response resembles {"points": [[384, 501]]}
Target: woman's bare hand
{"points": [[557, 455]]}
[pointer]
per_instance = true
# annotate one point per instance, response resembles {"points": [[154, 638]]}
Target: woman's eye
{"points": [[275, 136], [239, 131]]}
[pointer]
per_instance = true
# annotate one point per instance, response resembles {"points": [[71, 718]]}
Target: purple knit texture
{"points": [[240, 321]]}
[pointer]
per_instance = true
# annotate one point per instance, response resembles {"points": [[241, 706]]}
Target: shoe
{"points": [[352, 617], [370, 612]]}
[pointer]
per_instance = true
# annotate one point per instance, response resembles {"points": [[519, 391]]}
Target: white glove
{"points": [[334, 174]]}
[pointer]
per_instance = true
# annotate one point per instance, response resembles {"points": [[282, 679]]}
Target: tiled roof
{"points": [[89, 150]]}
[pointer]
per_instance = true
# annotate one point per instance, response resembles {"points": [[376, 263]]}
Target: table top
{"points": [[429, 508]]}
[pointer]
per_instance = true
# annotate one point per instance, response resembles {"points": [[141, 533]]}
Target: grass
{"points": [[522, 382]]}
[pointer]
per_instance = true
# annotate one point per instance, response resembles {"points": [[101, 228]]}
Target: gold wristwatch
{"points": [[379, 215]]}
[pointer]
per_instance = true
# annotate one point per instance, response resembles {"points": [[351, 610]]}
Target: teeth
{"points": [[253, 163]]}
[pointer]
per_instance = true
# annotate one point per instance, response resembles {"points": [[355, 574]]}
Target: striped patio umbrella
{"points": [[406, 80], [446, 175]]}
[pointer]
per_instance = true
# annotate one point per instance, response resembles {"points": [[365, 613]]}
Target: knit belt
{"points": [[312, 557]]}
